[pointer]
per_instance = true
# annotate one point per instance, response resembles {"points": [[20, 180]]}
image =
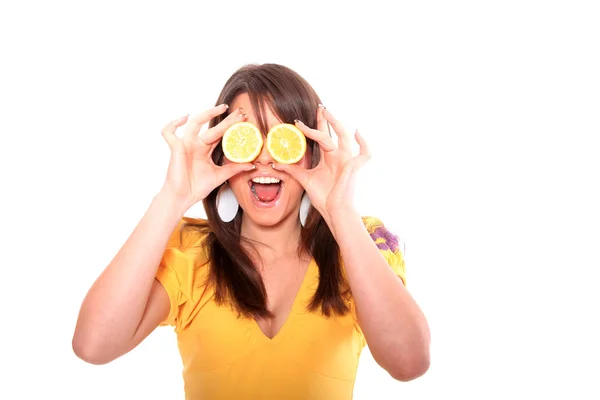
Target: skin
{"points": [[394, 326], [281, 267], [258, 222], [126, 302]]}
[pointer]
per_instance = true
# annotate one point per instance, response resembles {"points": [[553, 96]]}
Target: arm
{"points": [[396, 330], [126, 303], [394, 326]]}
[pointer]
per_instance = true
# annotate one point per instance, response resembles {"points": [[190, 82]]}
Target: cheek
{"points": [[294, 189], [237, 184]]}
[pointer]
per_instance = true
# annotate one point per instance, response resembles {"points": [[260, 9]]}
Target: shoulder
{"points": [[189, 233], [382, 236], [185, 255]]}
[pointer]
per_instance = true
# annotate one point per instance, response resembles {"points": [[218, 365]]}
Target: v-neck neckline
{"points": [[293, 310]]}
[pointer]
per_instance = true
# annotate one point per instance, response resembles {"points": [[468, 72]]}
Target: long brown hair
{"points": [[233, 274]]}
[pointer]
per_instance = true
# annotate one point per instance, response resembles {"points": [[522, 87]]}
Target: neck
{"points": [[280, 240]]}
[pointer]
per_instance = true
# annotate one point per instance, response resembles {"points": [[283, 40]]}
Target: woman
{"points": [[271, 304]]}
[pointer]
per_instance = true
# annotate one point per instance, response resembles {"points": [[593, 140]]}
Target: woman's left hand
{"points": [[330, 185]]}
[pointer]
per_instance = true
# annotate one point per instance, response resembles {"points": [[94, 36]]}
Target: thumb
{"points": [[295, 171], [227, 171], [168, 133]]}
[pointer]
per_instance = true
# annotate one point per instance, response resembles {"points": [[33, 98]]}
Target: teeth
{"points": [[265, 179]]}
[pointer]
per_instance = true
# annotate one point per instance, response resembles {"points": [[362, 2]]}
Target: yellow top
{"points": [[229, 357]]}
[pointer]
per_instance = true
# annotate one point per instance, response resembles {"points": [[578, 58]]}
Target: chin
{"points": [[265, 219]]}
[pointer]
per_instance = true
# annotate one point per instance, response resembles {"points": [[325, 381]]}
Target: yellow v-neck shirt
{"points": [[229, 357]]}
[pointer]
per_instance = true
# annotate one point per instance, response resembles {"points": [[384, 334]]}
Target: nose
{"points": [[264, 158]]}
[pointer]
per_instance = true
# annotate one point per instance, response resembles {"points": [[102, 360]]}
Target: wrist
{"points": [[342, 213], [341, 219], [170, 201]]}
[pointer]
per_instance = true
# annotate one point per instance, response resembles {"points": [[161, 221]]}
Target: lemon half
{"points": [[286, 143], [242, 142]]}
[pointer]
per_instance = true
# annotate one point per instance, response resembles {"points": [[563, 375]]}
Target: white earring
{"points": [[227, 204], [304, 206]]}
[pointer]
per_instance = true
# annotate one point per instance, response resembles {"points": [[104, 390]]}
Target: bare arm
{"points": [[393, 324], [126, 303]]}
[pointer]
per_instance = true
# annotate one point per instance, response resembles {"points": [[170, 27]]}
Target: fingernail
{"points": [[225, 105], [298, 121], [321, 106]]}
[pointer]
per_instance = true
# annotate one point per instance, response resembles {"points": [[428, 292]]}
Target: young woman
{"points": [[273, 303]]}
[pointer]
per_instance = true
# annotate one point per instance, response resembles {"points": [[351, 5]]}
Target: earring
{"points": [[227, 204], [304, 206]]}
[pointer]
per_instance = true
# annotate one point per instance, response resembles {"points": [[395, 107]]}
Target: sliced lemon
{"points": [[286, 143], [242, 142]]}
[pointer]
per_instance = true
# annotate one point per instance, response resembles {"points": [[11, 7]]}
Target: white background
{"points": [[483, 118]]}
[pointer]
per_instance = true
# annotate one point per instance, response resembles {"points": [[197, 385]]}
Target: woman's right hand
{"points": [[192, 174]]}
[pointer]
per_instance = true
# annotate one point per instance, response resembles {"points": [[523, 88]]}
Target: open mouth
{"points": [[266, 189]]}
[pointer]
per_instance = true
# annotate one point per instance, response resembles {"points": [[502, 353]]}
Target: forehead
{"points": [[243, 100]]}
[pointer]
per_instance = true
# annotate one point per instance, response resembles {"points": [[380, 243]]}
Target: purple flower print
{"points": [[391, 240]]}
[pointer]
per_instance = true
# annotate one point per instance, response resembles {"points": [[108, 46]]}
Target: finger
{"points": [[364, 147], [338, 128], [228, 170], [318, 136], [199, 120], [322, 124], [215, 133], [365, 153], [168, 132], [295, 171]]}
